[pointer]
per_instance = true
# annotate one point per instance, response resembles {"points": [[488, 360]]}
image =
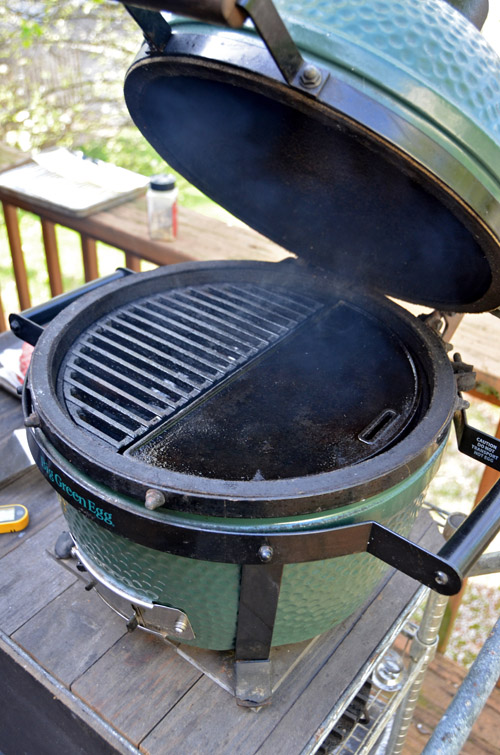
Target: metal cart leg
{"points": [[452, 731], [424, 644]]}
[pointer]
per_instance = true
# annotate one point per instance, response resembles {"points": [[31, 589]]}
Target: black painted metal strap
{"points": [[442, 572], [156, 30], [232, 546], [259, 595]]}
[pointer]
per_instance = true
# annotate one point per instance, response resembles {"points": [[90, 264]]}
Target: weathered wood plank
{"points": [[199, 237], [89, 254], [309, 713], [11, 414], [86, 629], [132, 262], [477, 340], [3, 319], [440, 685], [30, 578], [40, 716], [39, 498], [207, 718], [136, 683], [15, 457]]}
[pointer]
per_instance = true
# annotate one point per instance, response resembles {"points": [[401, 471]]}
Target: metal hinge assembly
{"points": [[296, 71]]}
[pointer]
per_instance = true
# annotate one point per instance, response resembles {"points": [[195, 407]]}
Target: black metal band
{"points": [[258, 603], [196, 539]]}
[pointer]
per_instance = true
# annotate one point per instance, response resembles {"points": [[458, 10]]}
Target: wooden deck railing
{"points": [[51, 251], [125, 227]]}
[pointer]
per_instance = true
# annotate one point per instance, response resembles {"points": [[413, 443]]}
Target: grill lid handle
{"points": [[225, 12]]}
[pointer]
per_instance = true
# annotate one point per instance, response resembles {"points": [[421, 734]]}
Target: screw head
{"points": [[154, 499], [265, 553], [15, 325], [440, 578], [310, 76], [180, 625]]}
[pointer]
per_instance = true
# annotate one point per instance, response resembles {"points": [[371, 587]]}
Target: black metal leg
{"points": [[259, 595]]}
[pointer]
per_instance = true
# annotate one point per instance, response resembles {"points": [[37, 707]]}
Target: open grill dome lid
{"points": [[384, 170]]}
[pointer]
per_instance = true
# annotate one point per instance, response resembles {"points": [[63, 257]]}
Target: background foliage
{"points": [[62, 66]]}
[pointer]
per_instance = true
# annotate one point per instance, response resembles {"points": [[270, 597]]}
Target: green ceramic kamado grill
{"points": [[241, 448]]}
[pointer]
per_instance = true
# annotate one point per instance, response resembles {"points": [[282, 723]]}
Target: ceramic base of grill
{"points": [[314, 596]]}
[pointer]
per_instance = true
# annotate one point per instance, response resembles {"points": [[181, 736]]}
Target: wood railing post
{"points": [[133, 262], [89, 253], [3, 322], [16, 251], [52, 256]]}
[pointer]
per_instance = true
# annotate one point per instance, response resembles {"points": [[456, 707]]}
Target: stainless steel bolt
{"points": [[310, 76], [180, 625], [388, 675], [453, 522], [441, 578], [154, 499], [265, 553], [33, 420]]}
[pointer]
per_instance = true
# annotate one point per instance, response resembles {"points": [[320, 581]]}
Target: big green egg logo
{"points": [[67, 492]]}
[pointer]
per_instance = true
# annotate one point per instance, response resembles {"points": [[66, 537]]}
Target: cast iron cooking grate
{"points": [[140, 365]]}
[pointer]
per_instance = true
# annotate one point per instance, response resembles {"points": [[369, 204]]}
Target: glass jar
{"points": [[162, 207]]}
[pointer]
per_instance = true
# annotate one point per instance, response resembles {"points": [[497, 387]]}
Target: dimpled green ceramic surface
{"points": [[314, 596], [412, 49]]}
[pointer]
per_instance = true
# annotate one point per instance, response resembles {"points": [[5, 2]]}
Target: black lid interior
{"points": [[299, 175]]}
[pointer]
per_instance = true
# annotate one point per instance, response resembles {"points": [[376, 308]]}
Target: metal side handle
{"points": [[28, 325], [475, 534]]}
